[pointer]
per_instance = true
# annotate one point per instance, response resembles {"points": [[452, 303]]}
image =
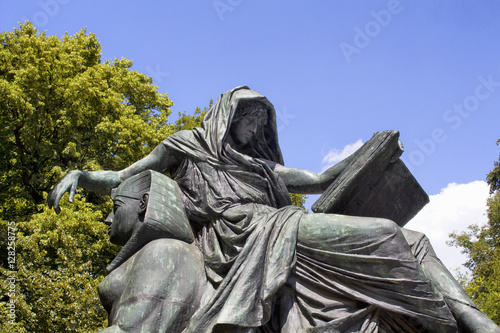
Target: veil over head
{"points": [[218, 120], [211, 137]]}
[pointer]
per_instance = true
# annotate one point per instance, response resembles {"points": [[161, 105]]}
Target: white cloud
{"points": [[334, 156], [454, 209]]}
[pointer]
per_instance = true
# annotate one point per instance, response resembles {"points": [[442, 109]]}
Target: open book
{"points": [[376, 184]]}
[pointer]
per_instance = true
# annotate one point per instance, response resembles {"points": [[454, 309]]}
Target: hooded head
{"points": [[147, 207], [236, 108], [215, 171]]}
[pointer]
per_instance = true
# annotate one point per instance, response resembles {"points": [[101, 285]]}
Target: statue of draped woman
{"points": [[219, 247]]}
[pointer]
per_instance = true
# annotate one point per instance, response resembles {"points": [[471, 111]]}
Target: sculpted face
{"points": [[125, 219], [244, 128]]}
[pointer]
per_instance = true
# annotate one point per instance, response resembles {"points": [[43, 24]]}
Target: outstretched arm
{"points": [[160, 159], [309, 182]]}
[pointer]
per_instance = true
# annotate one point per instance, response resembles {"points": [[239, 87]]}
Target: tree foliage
{"points": [[60, 261], [298, 199], [493, 177], [61, 108], [481, 244]]}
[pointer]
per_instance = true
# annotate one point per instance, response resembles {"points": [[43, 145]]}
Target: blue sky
{"points": [[336, 71]]}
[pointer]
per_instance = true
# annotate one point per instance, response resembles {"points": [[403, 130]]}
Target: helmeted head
{"points": [[130, 202], [147, 206]]}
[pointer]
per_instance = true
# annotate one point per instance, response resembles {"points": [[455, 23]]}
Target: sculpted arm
{"points": [[160, 159], [309, 182]]}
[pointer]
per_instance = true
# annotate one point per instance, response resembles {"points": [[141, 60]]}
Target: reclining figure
{"points": [[243, 259]]}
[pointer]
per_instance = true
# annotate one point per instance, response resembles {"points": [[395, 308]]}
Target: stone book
{"points": [[376, 184]]}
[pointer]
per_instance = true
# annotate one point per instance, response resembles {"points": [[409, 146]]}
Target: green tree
{"points": [[61, 108], [298, 199], [493, 177], [188, 122], [60, 261], [481, 244]]}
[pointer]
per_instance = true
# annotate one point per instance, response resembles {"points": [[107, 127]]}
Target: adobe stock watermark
{"points": [[49, 9], [363, 36], [223, 6], [283, 119], [454, 118], [156, 74], [10, 309]]}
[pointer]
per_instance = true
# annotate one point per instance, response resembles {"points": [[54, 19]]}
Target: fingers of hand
{"points": [[72, 192]]}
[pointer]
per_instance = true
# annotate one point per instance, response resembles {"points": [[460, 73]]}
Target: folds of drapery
{"points": [[268, 281], [263, 241]]}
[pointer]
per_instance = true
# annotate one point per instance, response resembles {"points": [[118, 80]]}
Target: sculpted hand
{"points": [[69, 183]]}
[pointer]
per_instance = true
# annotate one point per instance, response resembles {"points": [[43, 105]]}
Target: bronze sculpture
{"points": [[269, 267]]}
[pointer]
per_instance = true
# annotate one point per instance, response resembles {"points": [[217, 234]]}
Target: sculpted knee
{"points": [[386, 226], [414, 237], [420, 245]]}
